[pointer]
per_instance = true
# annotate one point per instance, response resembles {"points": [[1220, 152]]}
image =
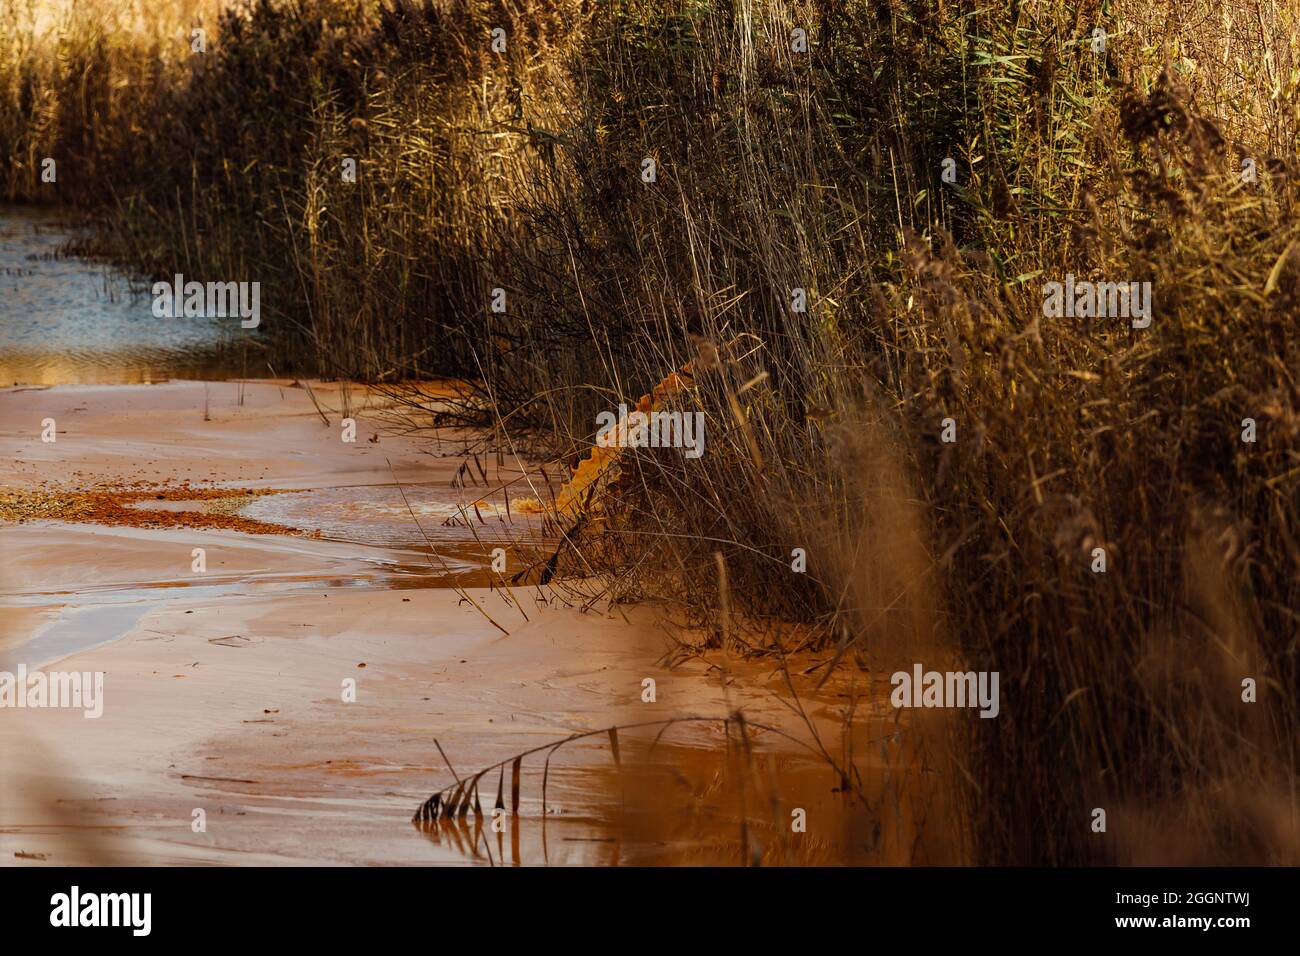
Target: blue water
{"points": [[66, 320]]}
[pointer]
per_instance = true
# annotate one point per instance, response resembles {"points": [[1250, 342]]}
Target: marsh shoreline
{"points": [[223, 688]]}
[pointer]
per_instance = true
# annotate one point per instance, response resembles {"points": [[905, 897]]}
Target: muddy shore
{"points": [[224, 689]]}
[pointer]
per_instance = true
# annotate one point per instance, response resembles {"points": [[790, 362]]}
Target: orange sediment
{"points": [[601, 462], [119, 505]]}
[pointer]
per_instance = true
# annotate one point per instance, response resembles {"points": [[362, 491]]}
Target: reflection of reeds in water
{"points": [[757, 796]]}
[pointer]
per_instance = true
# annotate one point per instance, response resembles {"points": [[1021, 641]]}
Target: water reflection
{"points": [[673, 804], [709, 802], [575, 843], [66, 320]]}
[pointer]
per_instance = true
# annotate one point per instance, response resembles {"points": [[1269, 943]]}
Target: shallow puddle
{"points": [[75, 629], [413, 516], [678, 805]]}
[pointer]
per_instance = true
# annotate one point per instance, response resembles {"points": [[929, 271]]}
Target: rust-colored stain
{"points": [[601, 462], [118, 504]]}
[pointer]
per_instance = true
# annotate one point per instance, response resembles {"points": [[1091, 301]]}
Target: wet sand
{"points": [[224, 690]]}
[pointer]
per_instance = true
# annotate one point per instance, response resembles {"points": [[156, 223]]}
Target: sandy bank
{"points": [[224, 692]]}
